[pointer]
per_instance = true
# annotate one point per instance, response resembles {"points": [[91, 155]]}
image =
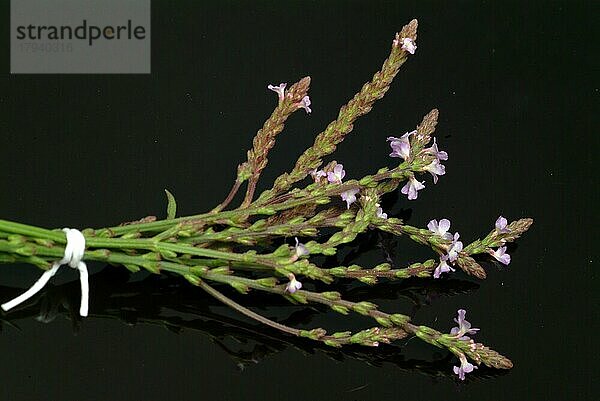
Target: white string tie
{"points": [[73, 254]]}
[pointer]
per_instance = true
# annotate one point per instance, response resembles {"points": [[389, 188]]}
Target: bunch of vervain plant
{"points": [[239, 247]]}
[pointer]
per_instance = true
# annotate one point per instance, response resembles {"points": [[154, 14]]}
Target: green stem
{"points": [[245, 311], [234, 189], [31, 231], [258, 208]]}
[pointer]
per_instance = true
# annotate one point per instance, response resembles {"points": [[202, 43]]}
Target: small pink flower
{"points": [[433, 150], [443, 267], [501, 224], [401, 146], [300, 249], [440, 228], [349, 196], [294, 285], [279, 89], [380, 213], [317, 175], [455, 248], [465, 367], [501, 255], [409, 45], [435, 168], [464, 327], [412, 187], [305, 103], [336, 176]]}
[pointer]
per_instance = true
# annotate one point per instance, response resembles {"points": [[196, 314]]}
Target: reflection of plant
{"points": [[167, 302], [244, 247]]}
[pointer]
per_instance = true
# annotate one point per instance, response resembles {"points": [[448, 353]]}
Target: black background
{"points": [[517, 88]]}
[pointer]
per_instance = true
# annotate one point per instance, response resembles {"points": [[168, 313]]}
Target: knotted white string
{"points": [[73, 254]]}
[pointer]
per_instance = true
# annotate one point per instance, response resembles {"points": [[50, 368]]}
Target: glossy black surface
{"points": [[517, 88]]}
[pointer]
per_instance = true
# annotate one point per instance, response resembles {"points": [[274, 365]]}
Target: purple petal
{"points": [[501, 224], [400, 147], [458, 246], [300, 249], [349, 196], [405, 188], [404, 149], [409, 45], [412, 193], [501, 255], [433, 150], [444, 225], [380, 213], [411, 188], [305, 103], [279, 89], [468, 367], [459, 372]]}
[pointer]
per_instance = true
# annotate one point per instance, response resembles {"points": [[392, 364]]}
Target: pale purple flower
{"points": [[411, 188], [440, 228], [336, 176], [501, 224], [349, 196], [465, 367], [435, 168], [400, 149], [464, 327], [409, 45], [455, 248], [433, 150], [443, 267], [400, 146], [317, 175], [279, 89], [305, 103], [294, 285], [300, 249], [380, 213], [501, 255]]}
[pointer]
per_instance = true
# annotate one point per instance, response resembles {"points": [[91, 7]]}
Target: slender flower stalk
{"points": [[289, 101]]}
